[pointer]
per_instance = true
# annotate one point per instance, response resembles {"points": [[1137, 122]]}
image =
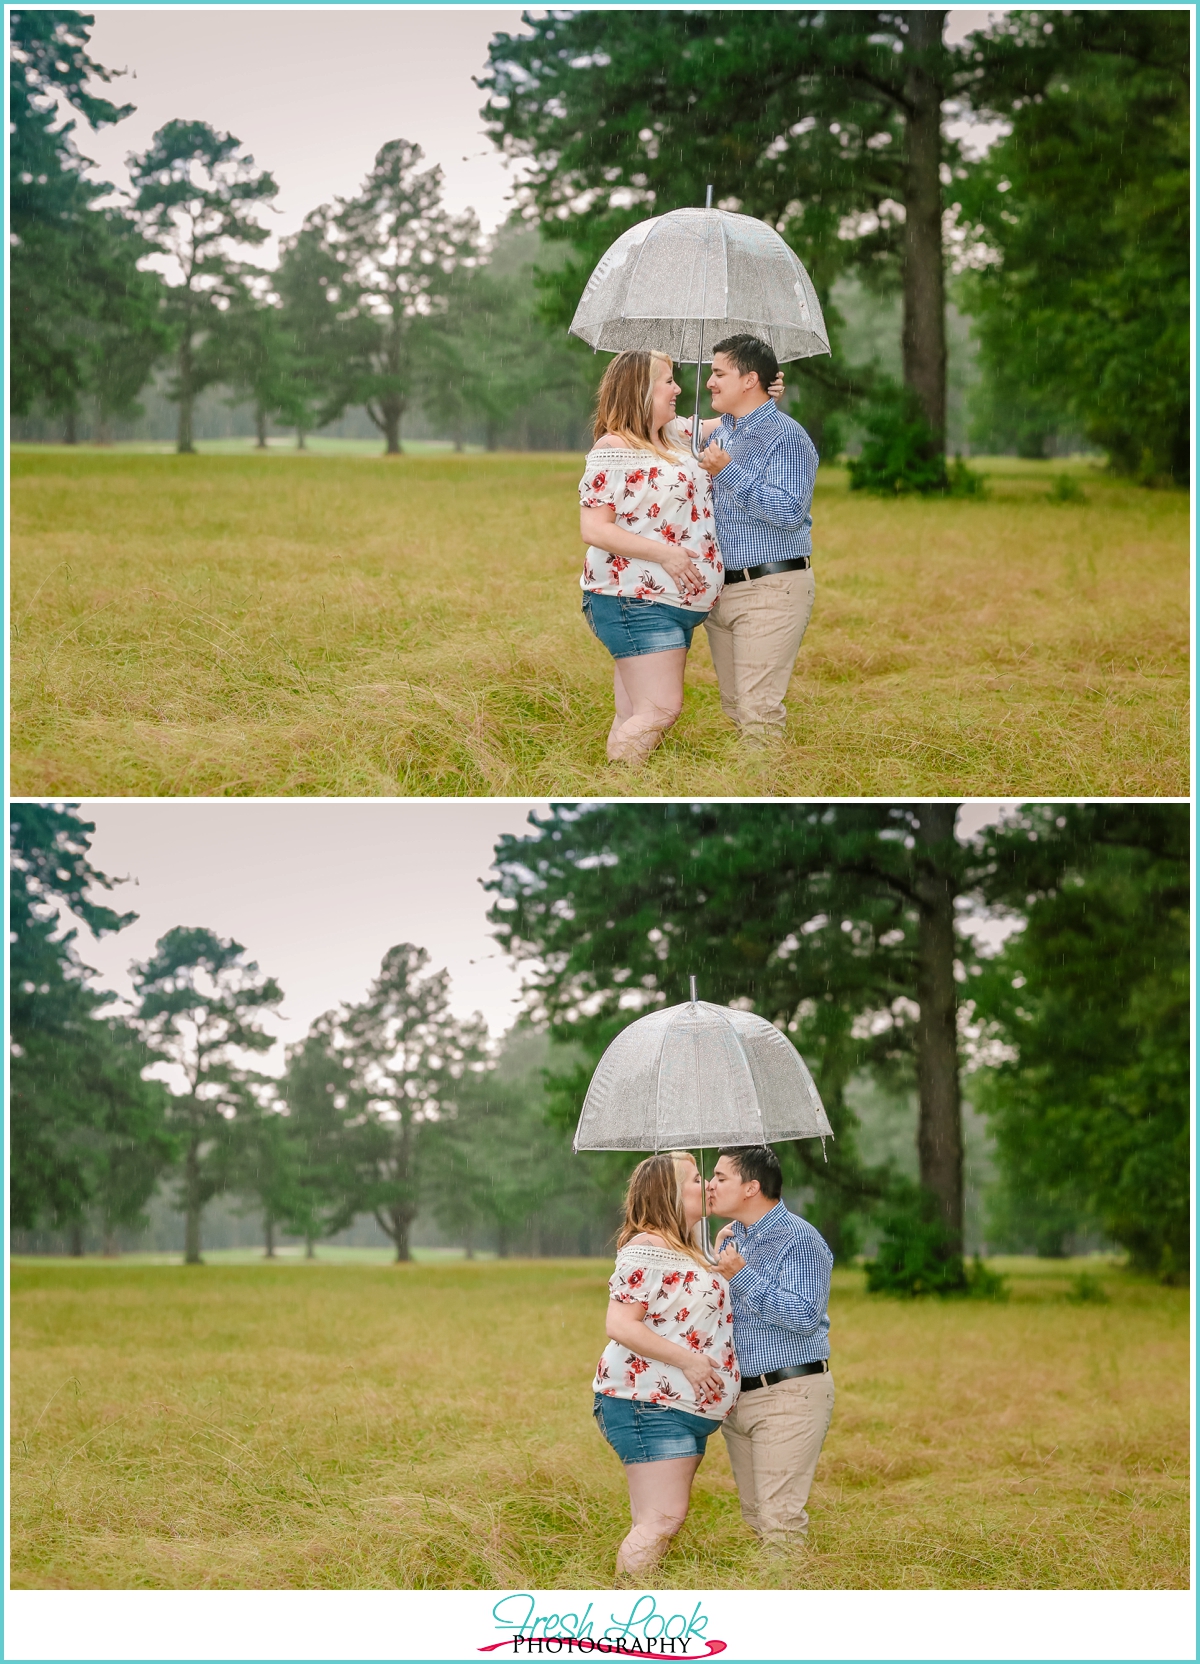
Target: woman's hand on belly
{"points": [[687, 576]]}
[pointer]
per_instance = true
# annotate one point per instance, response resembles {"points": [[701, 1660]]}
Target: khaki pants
{"points": [[774, 1437], [754, 633]]}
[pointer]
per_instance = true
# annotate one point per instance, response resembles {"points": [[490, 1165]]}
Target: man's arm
{"points": [[778, 489], [794, 1293]]}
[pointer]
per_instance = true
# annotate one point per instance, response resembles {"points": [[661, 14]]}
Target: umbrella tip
{"points": [[708, 197], [691, 979]]}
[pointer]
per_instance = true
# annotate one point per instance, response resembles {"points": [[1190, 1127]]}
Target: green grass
{"points": [[346, 625], [428, 1426]]}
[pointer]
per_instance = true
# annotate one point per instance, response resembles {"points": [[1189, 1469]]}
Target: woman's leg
{"points": [[650, 689], [658, 1502]]}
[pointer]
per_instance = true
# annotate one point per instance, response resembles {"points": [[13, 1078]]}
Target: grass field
{"points": [[357, 1425], [344, 625]]}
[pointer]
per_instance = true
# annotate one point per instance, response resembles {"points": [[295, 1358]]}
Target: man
{"points": [[763, 467], [778, 1268]]}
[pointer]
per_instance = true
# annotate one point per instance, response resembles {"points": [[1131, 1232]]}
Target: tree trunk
{"points": [[112, 1248], [493, 436], [301, 442], [71, 427], [269, 1237], [310, 1252], [391, 431], [76, 1236], [924, 337], [260, 428], [502, 1242], [184, 444], [939, 1131], [192, 1205]]}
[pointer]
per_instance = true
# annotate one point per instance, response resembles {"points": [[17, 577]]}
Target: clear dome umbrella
{"points": [[683, 280], [699, 1076]]}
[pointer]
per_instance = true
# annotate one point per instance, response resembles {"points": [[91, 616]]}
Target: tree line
{"points": [[852, 927], [388, 1107], [1067, 242], [383, 301]]}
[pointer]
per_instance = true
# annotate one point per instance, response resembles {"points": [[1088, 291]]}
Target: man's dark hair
{"points": [[758, 1162], [750, 356]]}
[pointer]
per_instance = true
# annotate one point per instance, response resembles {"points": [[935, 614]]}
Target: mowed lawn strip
{"points": [[429, 1426], [356, 626]]}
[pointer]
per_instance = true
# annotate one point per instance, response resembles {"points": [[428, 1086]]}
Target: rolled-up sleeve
{"points": [[794, 1296], [778, 489]]}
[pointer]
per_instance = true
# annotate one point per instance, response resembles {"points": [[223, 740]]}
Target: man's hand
{"points": [[775, 390], [730, 1262], [713, 459]]}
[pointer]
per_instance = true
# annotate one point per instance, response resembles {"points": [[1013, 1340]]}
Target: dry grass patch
{"points": [[353, 626], [366, 1426]]}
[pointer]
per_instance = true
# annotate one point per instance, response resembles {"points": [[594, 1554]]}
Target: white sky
{"points": [[318, 892], [314, 92]]}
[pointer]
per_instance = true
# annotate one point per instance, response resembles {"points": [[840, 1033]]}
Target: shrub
{"points": [[915, 1255], [901, 455], [964, 482], [983, 1284], [1066, 490], [1087, 1290]]}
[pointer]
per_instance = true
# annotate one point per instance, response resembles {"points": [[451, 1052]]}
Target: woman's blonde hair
{"points": [[625, 403], [654, 1202]]}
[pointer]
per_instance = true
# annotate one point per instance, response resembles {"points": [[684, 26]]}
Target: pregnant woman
{"points": [[669, 1376], [652, 568]]}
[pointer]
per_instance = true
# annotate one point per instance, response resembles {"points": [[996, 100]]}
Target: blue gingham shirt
{"points": [[761, 500], [781, 1294]]}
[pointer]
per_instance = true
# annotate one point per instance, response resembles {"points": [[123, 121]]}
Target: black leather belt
{"points": [[738, 574], [750, 1383]]}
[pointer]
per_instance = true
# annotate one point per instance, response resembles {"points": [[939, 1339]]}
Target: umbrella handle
{"points": [[699, 367], [696, 417]]}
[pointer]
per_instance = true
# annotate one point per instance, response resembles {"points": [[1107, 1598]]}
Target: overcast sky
{"points": [[318, 892], [313, 93]]}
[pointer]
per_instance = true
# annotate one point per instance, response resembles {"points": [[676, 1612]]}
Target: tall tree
{"points": [[836, 921], [409, 1056], [397, 249], [196, 196], [827, 124], [75, 282], [87, 1130], [1090, 1114], [200, 1002], [1084, 320], [309, 284], [326, 1124]]}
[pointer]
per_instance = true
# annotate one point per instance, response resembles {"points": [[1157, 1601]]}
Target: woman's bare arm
{"points": [[626, 1324], [598, 528]]}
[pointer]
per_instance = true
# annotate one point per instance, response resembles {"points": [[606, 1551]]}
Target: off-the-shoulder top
{"points": [[667, 502], [685, 1304]]}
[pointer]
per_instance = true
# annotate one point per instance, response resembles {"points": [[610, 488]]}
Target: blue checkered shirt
{"points": [[781, 1294], [761, 500]]}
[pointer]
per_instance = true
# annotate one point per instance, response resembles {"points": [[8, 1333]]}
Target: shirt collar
{"points": [[746, 424], [768, 1222]]}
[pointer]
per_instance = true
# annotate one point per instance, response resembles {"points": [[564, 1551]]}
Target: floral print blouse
{"points": [[670, 502], [685, 1304]]}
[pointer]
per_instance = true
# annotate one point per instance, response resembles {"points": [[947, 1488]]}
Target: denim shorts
{"points": [[629, 627], [650, 1432]]}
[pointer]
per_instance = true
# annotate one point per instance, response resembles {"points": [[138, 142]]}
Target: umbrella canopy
{"points": [[683, 280], [699, 1076]]}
